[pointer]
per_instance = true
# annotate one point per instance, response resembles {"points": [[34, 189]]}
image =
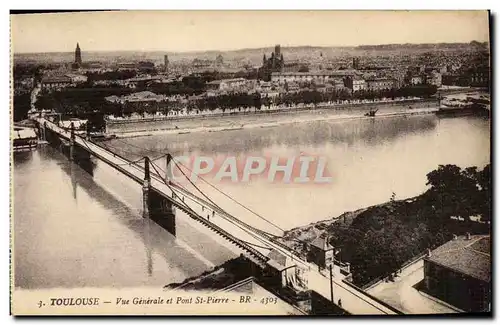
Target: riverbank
{"points": [[380, 239], [218, 278], [264, 118]]}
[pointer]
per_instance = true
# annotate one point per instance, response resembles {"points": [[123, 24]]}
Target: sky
{"points": [[185, 31]]}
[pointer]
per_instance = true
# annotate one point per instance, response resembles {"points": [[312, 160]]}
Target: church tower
{"points": [[165, 63], [78, 54]]}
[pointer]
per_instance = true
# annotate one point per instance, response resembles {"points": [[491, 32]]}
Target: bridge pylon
{"points": [[168, 169], [42, 129], [155, 205], [146, 188], [72, 143]]}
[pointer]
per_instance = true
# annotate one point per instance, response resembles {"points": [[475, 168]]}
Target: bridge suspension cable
{"points": [[208, 183], [263, 247], [108, 146], [131, 162], [227, 195], [135, 153], [193, 212], [221, 210], [139, 147], [235, 221]]}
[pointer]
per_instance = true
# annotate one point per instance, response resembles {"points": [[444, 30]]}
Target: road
{"points": [[402, 294]]}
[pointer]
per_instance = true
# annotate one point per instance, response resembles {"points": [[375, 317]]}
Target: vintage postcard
{"points": [[251, 163]]}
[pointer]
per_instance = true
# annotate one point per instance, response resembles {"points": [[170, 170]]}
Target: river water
{"points": [[73, 230]]}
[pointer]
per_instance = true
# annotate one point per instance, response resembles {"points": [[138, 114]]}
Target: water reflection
{"points": [[70, 232], [316, 134], [369, 160], [23, 157], [73, 233], [152, 236]]}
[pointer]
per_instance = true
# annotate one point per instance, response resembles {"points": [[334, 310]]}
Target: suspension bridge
{"points": [[164, 200]]}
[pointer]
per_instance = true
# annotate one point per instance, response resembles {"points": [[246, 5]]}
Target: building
{"points": [[76, 78], [78, 55], [355, 63], [24, 138], [275, 63], [201, 65], [292, 87], [78, 124], [479, 77], [140, 97], [338, 83], [416, 80], [250, 287], [321, 252], [127, 66], [226, 84], [434, 78], [377, 84], [459, 273], [93, 65], [319, 76], [56, 82], [219, 61], [295, 66], [355, 83], [144, 80], [399, 77], [146, 66]]}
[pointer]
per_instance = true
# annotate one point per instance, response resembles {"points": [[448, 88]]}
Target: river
{"points": [[72, 229], [368, 160], [75, 230]]}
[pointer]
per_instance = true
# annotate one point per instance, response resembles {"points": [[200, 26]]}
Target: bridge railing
{"points": [[383, 277]]}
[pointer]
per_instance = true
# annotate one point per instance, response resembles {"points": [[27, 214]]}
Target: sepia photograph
{"points": [[251, 163]]}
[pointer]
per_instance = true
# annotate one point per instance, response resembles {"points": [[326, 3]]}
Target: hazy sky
{"points": [[224, 30]]}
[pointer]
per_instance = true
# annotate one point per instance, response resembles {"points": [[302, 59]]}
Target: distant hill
{"points": [[427, 46], [251, 55]]}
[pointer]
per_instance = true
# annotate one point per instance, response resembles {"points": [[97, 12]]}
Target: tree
{"points": [[484, 182], [456, 192], [304, 68], [22, 104]]}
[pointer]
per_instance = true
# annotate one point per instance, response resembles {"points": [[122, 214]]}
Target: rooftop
{"points": [[402, 293], [24, 133], [316, 73], [468, 256], [56, 79], [322, 243], [216, 82], [277, 257], [379, 79]]}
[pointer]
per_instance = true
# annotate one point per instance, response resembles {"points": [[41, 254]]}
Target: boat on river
{"points": [[372, 113], [474, 109]]}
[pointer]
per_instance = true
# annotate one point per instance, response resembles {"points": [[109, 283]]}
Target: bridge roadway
{"points": [[246, 238]]}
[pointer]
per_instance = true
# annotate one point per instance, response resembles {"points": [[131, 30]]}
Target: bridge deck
{"points": [[246, 238]]}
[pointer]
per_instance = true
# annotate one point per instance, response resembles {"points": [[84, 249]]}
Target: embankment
{"points": [[262, 118]]}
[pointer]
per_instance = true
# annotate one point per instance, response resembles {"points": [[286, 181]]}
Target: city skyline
{"points": [[200, 31]]}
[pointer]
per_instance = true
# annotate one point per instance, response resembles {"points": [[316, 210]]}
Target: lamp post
{"points": [[331, 283]]}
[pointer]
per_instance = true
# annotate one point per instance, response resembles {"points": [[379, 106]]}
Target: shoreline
{"points": [[245, 121]]}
